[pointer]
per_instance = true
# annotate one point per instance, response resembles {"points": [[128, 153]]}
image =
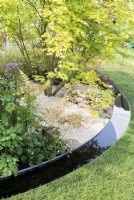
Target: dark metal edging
{"points": [[21, 172]]}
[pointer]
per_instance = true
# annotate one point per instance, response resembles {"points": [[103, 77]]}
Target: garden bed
{"points": [[76, 121], [65, 163]]}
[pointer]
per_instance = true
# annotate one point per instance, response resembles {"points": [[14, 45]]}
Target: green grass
{"points": [[111, 176]]}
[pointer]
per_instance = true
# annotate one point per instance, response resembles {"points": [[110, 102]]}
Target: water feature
{"points": [[50, 170]]}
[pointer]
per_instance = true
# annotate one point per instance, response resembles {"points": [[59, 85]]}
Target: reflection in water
{"points": [[66, 163], [120, 119], [117, 124], [51, 171], [107, 137]]}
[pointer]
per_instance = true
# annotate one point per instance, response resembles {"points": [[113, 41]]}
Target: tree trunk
{"points": [[48, 91]]}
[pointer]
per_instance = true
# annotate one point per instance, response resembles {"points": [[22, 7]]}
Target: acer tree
{"points": [[65, 38]]}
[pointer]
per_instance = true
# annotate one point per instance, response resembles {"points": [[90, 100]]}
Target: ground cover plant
{"points": [[110, 176], [22, 138]]}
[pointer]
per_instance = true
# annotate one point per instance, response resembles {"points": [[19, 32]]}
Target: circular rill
{"points": [[63, 164]]}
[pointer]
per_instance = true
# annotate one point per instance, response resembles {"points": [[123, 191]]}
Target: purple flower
{"points": [[13, 65]]}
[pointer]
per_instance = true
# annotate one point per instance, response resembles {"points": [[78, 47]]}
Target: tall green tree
{"points": [[72, 36]]}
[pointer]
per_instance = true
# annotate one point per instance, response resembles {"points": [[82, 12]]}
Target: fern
{"points": [[28, 87], [24, 78]]}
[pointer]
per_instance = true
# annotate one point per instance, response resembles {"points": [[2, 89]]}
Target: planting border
{"points": [[61, 165]]}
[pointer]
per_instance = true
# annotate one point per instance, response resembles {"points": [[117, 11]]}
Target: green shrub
{"points": [[22, 138], [91, 91]]}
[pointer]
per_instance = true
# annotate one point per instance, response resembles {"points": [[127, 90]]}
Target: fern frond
{"points": [[28, 87], [24, 78]]}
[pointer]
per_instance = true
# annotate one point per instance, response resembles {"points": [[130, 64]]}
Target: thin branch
{"points": [[22, 40], [33, 6], [21, 50]]}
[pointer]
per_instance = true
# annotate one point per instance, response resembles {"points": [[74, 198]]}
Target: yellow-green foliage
{"points": [[39, 79], [71, 35], [92, 92], [27, 87], [90, 77]]}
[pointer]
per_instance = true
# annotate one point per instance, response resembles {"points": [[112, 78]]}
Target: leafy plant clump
{"points": [[22, 138], [91, 91]]}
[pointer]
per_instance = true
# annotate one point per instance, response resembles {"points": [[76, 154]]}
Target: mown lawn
{"points": [[111, 176]]}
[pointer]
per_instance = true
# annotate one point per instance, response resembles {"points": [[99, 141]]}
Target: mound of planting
{"points": [[35, 128], [49, 170], [71, 113]]}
